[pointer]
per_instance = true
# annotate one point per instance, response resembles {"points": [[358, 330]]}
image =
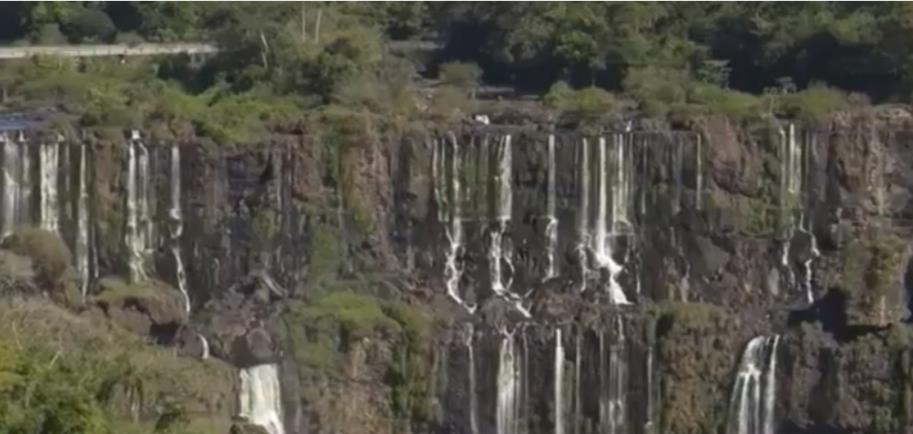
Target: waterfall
{"points": [[790, 191], [699, 172], [261, 398], [496, 254], [11, 190], [613, 383], [753, 400], [138, 234], [583, 231], [205, 346], [814, 253], [449, 211], [508, 387], [551, 227], [82, 225], [559, 383], [648, 422], [603, 239], [473, 405], [48, 158], [177, 225]]}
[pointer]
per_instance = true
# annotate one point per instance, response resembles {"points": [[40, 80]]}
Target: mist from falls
{"points": [[753, 401], [177, 222], [260, 398]]}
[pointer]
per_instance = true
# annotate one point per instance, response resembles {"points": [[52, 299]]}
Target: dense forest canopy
{"points": [[740, 59]]}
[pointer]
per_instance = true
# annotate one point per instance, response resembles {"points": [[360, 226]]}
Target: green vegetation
{"points": [[872, 269], [698, 355], [62, 373], [50, 256]]}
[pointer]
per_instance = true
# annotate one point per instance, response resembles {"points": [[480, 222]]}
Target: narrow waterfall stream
{"points": [[138, 233], [448, 196], [613, 383], [177, 222], [48, 164], [753, 400], [583, 220], [261, 397], [11, 185], [606, 229], [469, 341], [507, 415], [551, 226], [81, 251], [559, 383], [496, 254]]}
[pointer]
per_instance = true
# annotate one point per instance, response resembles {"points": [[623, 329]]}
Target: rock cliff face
{"points": [[579, 282]]}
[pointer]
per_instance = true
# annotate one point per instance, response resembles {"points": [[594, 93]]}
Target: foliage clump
{"points": [[49, 254]]}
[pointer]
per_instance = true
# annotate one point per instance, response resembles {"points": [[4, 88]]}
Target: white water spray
{"points": [[606, 230], [752, 405], [261, 397]]}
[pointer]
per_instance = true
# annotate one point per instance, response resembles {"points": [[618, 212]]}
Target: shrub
{"points": [[460, 75], [89, 24], [815, 103], [49, 255], [588, 103]]}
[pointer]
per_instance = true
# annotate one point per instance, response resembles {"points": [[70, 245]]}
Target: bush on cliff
{"points": [[49, 254]]}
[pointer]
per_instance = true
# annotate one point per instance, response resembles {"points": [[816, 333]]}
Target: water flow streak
{"points": [[82, 225], [752, 404], [177, 223], [261, 398], [551, 226]]}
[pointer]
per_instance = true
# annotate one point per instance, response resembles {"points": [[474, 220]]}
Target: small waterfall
{"points": [[177, 223], [261, 397], [583, 230], [753, 401], [81, 252], [790, 192], [509, 387], [473, 404], [496, 254], [449, 211], [559, 383], [613, 383], [138, 234], [48, 159], [606, 230], [205, 346], [699, 172], [551, 227], [648, 422], [11, 190], [805, 226]]}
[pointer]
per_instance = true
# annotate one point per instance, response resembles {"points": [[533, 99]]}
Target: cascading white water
{"points": [[790, 191], [177, 223], [508, 387], [136, 209], [496, 254], [25, 183], [261, 397], [814, 253], [473, 405], [204, 344], [648, 422], [605, 229], [11, 164], [583, 220], [551, 226], [752, 405], [48, 158], [559, 383], [82, 225], [449, 211], [613, 383]]}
